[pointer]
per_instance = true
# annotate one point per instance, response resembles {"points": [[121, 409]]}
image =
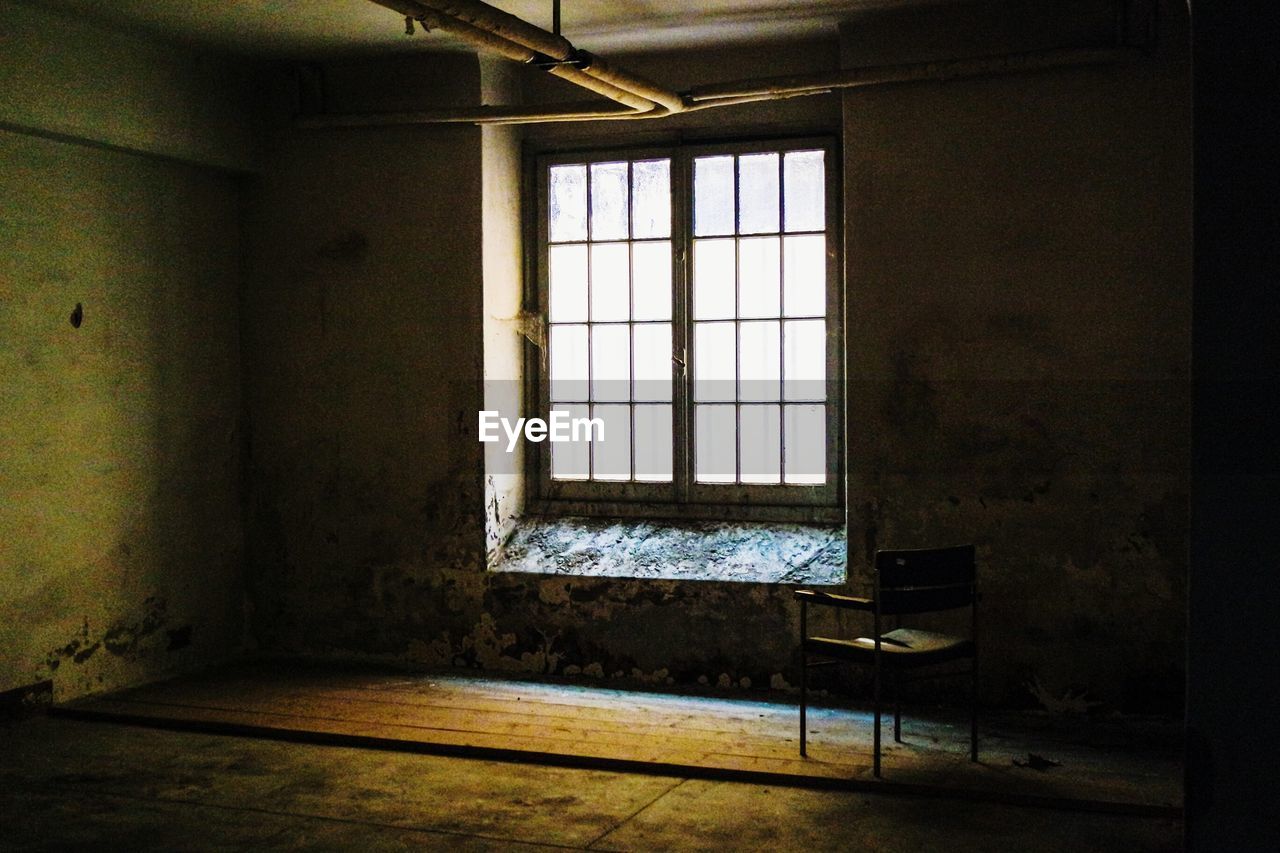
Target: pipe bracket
{"points": [[580, 60]]}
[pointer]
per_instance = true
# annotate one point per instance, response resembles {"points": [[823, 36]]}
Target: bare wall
{"points": [[120, 521], [1019, 289], [364, 363], [120, 536]]}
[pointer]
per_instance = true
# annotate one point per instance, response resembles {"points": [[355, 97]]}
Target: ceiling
{"points": [[317, 28]]}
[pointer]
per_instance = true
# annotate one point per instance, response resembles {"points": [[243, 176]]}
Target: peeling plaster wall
{"points": [[1018, 328], [379, 261], [504, 343], [120, 531], [363, 345]]}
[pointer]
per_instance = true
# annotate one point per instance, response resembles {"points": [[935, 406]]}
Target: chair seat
{"points": [[903, 647]]}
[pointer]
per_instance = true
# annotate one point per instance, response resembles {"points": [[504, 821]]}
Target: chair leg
{"points": [[804, 690], [897, 707], [973, 713], [875, 754]]}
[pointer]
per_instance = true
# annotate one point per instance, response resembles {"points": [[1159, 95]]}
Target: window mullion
{"points": [[681, 326], [591, 386]]}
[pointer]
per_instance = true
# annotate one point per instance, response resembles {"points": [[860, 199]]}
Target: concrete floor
{"points": [[66, 785]]}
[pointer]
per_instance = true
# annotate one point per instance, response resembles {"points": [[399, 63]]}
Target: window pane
{"points": [[653, 443], [651, 198], [712, 196], [568, 362], [612, 456], [652, 360], [805, 276], [569, 459], [806, 444], [715, 444], [760, 437], [568, 206], [611, 362], [758, 289], [805, 342], [568, 284], [610, 282], [713, 279], [757, 193], [713, 361], [651, 281], [609, 201], [805, 204], [759, 361]]}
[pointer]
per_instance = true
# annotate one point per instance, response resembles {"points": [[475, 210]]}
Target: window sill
{"points": [[746, 552]]}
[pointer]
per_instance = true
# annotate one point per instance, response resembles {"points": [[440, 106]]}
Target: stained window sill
{"points": [[745, 552]]}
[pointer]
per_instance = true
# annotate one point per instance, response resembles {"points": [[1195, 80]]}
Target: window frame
{"points": [[683, 496]]}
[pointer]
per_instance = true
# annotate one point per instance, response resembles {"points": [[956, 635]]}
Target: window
{"points": [[692, 310]]}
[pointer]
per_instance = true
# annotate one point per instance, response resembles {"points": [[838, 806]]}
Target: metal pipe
{"points": [[878, 75], [503, 115], [494, 43], [492, 29], [484, 17], [484, 114]]}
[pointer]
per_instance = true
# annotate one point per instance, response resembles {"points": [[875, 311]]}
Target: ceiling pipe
{"points": [[554, 48], [506, 115], [951, 69], [492, 29], [495, 43]]}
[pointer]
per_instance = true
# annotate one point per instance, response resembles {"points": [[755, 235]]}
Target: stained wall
{"points": [[1019, 295], [120, 526]]}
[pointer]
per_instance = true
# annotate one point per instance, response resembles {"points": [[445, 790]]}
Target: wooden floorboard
{"points": [[637, 731]]}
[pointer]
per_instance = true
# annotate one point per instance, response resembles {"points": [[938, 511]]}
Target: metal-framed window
{"points": [[692, 305]]}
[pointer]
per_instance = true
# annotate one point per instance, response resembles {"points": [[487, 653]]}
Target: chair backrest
{"points": [[925, 580]]}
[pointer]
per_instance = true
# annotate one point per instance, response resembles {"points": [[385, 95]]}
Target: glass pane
{"points": [[806, 444], [757, 193], [568, 206], [713, 279], [805, 342], [651, 281], [713, 361], [760, 449], [609, 201], [805, 203], [651, 198], [712, 196], [612, 456], [715, 444], [652, 360], [653, 443], [805, 276], [569, 459], [611, 362], [568, 284], [758, 289], [759, 361], [610, 282], [568, 362]]}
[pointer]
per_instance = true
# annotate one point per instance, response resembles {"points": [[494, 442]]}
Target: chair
{"points": [[906, 583]]}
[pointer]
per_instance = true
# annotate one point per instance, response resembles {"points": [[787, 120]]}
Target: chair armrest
{"points": [[851, 602]]}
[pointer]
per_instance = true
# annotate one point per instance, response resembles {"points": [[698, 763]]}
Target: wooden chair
{"points": [[906, 583]]}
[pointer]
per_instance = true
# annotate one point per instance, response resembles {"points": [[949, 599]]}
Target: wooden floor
{"points": [[1099, 769]]}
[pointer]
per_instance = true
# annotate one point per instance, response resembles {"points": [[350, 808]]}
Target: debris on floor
{"points": [[1037, 762]]}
